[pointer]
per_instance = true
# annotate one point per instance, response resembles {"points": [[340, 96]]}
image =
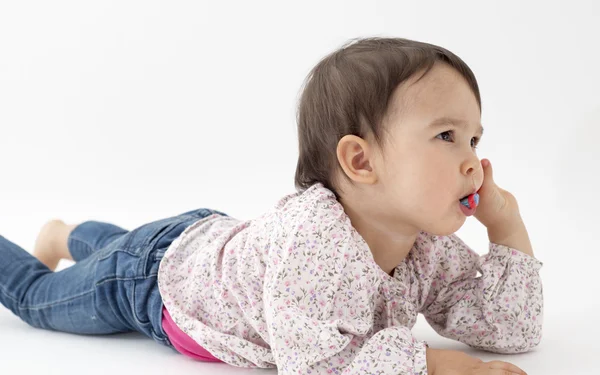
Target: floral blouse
{"points": [[298, 289]]}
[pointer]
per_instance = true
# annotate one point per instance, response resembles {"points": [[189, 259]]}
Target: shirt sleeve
{"points": [[304, 345], [320, 311], [499, 311]]}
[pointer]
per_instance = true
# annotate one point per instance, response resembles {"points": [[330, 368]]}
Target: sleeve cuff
{"points": [[420, 357], [507, 254]]}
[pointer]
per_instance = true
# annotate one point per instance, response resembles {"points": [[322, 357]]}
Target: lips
{"points": [[469, 193], [467, 211], [471, 201]]}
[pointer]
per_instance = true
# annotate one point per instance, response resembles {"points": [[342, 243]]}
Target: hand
{"points": [[496, 206], [453, 362]]}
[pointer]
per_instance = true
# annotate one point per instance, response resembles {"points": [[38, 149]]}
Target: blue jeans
{"points": [[111, 288]]}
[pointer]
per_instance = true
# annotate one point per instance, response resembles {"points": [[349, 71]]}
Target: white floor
{"points": [[26, 350]]}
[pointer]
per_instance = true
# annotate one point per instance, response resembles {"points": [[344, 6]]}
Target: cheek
{"points": [[423, 180], [438, 186]]}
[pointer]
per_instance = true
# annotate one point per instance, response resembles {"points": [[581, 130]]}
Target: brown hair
{"points": [[349, 91]]}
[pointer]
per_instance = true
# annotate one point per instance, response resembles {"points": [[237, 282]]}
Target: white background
{"points": [[132, 111]]}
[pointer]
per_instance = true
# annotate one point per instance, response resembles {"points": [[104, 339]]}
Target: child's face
{"points": [[425, 173]]}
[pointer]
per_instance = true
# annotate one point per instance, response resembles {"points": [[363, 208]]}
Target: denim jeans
{"points": [[111, 288]]}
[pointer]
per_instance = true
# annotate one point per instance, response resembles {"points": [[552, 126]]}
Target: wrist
{"points": [[511, 234], [505, 229], [431, 356]]}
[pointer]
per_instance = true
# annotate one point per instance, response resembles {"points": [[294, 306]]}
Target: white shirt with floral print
{"points": [[298, 289]]}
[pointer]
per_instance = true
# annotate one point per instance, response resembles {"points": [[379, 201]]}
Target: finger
{"points": [[502, 372], [500, 365], [488, 172]]}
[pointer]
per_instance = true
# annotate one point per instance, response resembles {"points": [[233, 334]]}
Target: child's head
{"points": [[365, 131]]}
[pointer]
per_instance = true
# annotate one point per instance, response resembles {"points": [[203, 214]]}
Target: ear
{"points": [[355, 156]]}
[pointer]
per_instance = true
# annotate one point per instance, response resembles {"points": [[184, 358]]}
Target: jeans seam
{"points": [[133, 308], [124, 279], [73, 237], [149, 241], [164, 340], [5, 292], [32, 307], [126, 251], [132, 297], [139, 321], [37, 307]]}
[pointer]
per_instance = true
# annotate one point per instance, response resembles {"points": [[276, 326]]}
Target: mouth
{"points": [[468, 204], [474, 191], [466, 210]]}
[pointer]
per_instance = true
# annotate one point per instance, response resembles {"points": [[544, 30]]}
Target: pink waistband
{"points": [[184, 343]]}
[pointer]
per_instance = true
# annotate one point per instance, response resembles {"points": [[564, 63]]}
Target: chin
{"points": [[444, 228], [442, 233]]}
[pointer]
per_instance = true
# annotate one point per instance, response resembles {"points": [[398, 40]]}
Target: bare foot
{"points": [[51, 243]]}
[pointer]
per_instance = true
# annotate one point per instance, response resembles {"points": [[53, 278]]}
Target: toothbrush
{"points": [[471, 201]]}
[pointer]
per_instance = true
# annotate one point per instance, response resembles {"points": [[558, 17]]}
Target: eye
{"points": [[474, 140], [446, 132]]}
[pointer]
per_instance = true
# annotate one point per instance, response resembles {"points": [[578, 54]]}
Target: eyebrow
{"points": [[444, 121]]}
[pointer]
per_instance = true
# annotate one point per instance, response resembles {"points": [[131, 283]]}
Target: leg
{"points": [[62, 301], [90, 236], [55, 241], [112, 287], [50, 245], [58, 240]]}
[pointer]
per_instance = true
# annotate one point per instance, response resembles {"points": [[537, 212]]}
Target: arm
{"points": [[302, 345], [515, 236], [500, 311], [440, 361], [319, 312]]}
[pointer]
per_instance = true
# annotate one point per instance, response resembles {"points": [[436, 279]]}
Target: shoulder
{"points": [[314, 209], [312, 227]]}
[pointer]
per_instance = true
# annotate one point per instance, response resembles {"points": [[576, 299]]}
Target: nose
{"points": [[469, 171], [471, 166]]}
